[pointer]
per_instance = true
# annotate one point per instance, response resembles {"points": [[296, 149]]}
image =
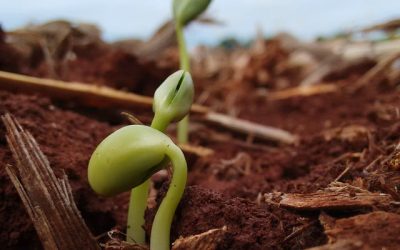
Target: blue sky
{"points": [[133, 18]]}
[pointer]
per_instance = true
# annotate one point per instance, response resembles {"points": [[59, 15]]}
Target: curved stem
{"points": [[160, 232], [183, 125], [138, 199]]}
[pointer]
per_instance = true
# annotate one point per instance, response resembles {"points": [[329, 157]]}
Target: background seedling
{"points": [[185, 11]]}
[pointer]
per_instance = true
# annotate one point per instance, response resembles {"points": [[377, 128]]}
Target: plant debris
{"points": [[48, 199], [338, 196], [368, 231]]}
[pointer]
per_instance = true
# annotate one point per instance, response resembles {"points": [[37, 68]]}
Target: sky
{"points": [[121, 19]]}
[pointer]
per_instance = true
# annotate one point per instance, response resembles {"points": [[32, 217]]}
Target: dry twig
{"points": [[376, 72], [257, 130], [303, 91], [105, 97]]}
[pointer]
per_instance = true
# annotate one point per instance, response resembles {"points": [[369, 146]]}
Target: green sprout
{"points": [[185, 11], [172, 101], [127, 158]]}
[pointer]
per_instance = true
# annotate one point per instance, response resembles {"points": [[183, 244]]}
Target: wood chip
{"points": [[377, 230], [335, 198], [47, 198], [204, 241]]}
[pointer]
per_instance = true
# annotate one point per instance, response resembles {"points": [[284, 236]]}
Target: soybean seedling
{"points": [[185, 11], [127, 158], [172, 101]]}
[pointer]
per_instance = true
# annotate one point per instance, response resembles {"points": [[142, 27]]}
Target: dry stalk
{"points": [[257, 130], [105, 97], [376, 72], [303, 91], [47, 198]]}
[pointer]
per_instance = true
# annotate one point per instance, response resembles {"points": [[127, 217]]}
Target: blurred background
{"points": [[121, 19]]}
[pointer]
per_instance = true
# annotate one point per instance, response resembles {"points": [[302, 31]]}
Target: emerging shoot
{"points": [[173, 98]]}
